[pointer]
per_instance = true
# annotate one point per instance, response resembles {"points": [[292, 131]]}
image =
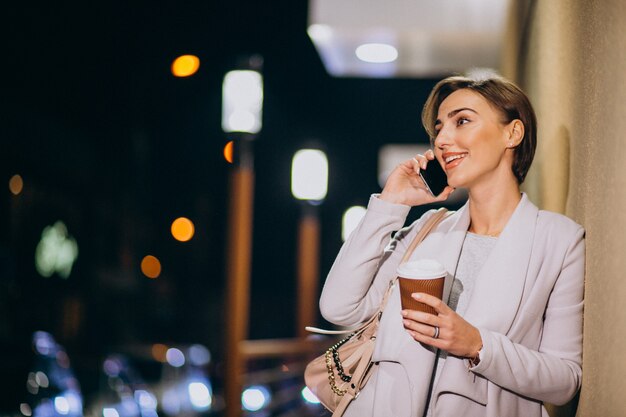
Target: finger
{"points": [[421, 160], [429, 154], [439, 306], [420, 328], [445, 193], [421, 317], [417, 165], [427, 339]]}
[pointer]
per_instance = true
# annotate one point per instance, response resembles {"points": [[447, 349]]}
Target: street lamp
{"points": [[309, 183], [242, 105], [309, 175]]}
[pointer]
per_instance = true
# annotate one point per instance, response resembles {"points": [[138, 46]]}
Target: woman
{"points": [[508, 333]]}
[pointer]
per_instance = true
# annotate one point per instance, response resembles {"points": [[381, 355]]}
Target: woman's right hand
{"points": [[405, 186]]}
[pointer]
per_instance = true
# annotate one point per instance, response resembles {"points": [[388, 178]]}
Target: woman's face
{"points": [[471, 140]]}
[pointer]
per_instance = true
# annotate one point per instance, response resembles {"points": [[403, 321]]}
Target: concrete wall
{"points": [[570, 57]]}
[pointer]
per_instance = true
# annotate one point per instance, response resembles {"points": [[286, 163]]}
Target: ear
{"points": [[516, 133]]}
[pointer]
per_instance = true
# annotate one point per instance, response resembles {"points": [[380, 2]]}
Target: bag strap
{"points": [[433, 221], [424, 231], [430, 224]]}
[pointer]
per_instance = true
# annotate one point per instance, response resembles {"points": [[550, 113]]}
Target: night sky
{"points": [[109, 142]]}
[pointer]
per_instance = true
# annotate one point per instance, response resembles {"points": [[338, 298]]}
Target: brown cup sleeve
{"points": [[409, 286]]}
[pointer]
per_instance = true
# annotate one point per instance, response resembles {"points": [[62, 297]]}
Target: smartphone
{"points": [[434, 177]]}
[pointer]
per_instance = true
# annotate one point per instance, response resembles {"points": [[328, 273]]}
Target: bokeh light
{"points": [[16, 184], [229, 151], [185, 65], [377, 53], [56, 251], [150, 266], [242, 101], [199, 395], [255, 398], [182, 229], [26, 410], [42, 379], [61, 405], [175, 357], [199, 355], [351, 219], [308, 396], [309, 175], [110, 412], [159, 351]]}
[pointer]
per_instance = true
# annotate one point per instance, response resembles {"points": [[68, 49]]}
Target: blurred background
{"points": [[157, 259]]}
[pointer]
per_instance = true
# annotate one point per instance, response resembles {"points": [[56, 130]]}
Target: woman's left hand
{"points": [[456, 335]]}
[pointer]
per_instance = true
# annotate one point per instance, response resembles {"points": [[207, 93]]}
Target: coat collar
{"points": [[497, 293], [500, 282]]}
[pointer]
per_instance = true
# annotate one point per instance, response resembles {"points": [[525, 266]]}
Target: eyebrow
{"points": [[453, 112]]}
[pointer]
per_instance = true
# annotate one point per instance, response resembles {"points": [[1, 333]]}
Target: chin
{"points": [[457, 183]]}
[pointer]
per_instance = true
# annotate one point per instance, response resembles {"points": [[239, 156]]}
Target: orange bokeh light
{"points": [[16, 184], [182, 229], [150, 266], [228, 151], [185, 65], [159, 351]]}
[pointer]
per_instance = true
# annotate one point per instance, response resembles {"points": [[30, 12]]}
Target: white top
{"points": [[474, 253]]}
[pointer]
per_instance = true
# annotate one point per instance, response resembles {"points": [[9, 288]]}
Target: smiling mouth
{"points": [[451, 158]]}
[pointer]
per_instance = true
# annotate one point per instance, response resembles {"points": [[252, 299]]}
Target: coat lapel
{"points": [[496, 296], [499, 285]]}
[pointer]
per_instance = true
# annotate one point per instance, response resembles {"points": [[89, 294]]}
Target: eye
{"points": [[462, 121]]}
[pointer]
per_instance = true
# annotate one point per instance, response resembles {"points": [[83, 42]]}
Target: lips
{"points": [[453, 159]]}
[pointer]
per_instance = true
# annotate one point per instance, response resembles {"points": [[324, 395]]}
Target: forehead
{"points": [[464, 98]]}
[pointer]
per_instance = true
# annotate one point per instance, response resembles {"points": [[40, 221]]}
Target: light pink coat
{"points": [[527, 303]]}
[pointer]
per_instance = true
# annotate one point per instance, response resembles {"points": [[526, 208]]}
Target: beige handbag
{"points": [[338, 376]]}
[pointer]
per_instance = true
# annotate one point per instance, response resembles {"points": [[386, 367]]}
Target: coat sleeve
{"points": [[366, 263], [553, 372]]}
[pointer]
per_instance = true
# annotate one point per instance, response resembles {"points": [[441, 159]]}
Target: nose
{"points": [[443, 138]]}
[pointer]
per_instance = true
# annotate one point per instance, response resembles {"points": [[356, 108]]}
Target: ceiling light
{"points": [[377, 53]]}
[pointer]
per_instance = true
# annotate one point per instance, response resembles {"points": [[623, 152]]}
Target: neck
{"points": [[492, 207]]}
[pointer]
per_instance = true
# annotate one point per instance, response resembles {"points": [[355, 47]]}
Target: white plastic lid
{"points": [[421, 269]]}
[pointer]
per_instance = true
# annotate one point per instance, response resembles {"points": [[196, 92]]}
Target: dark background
{"points": [[109, 142]]}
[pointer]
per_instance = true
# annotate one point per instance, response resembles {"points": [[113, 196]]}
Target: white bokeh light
{"points": [[175, 357], [376, 53], [350, 220], [61, 405], [255, 398], [110, 412], [56, 251], [308, 396], [242, 101], [199, 395], [309, 175]]}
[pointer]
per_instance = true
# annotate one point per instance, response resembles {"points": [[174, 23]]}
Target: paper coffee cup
{"points": [[424, 275]]}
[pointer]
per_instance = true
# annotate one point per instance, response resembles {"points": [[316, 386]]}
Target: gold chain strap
{"points": [[331, 374]]}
